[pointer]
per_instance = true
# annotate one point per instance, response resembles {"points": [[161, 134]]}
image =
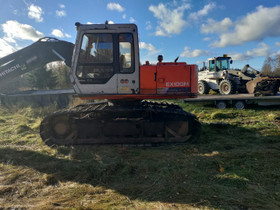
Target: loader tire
{"points": [[227, 87], [203, 87]]}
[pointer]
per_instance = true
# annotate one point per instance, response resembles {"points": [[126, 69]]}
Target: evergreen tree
{"points": [[41, 79], [62, 73]]}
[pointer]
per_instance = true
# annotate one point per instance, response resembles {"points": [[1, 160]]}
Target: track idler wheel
{"points": [[58, 130]]}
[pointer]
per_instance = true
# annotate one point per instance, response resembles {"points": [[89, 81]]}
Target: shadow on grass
{"points": [[208, 174]]}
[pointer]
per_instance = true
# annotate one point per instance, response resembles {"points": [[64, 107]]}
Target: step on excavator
{"points": [[105, 65]]}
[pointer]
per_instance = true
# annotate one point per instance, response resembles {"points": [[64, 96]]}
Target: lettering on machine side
{"points": [[177, 84], [9, 70]]}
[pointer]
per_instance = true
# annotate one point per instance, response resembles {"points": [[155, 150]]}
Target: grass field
{"points": [[234, 166]]}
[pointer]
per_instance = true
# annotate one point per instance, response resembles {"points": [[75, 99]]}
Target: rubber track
{"points": [[101, 123]]}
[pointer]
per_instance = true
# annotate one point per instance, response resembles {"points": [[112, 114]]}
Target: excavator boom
{"points": [[33, 57]]}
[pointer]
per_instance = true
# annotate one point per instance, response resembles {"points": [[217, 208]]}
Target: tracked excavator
{"points": [[105, 65]]}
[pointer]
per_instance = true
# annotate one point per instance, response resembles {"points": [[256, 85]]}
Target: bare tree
{"points": [[277, 68], [267, 66]]}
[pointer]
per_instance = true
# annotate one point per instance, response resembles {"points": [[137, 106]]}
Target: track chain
{"points": [[143, 123]]}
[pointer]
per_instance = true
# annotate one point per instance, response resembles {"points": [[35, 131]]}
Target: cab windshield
{"points": [[219, 64], [95, 64], [104, 54]]}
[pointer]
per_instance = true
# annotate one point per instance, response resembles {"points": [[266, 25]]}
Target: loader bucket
{"points": [[251, 85]]}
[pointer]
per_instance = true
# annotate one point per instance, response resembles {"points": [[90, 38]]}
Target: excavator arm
{"points": [[33, 57]]}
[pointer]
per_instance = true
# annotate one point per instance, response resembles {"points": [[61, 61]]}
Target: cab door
{"points": [[128, 76], [96, 64]]}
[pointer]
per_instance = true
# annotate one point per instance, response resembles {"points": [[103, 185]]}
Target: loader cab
{"points": [[219, 63], [106, 59]]}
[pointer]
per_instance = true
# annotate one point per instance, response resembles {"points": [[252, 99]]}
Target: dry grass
{"points": [[233, 167]]}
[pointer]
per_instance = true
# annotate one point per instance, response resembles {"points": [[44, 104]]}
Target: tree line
{"points": [[54, 75], [271, 66]]}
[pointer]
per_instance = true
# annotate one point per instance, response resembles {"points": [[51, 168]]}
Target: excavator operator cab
{"points": [[219, 63], [106, 59]]}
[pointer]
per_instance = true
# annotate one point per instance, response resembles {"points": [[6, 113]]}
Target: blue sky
{"points": [[247, 30]]}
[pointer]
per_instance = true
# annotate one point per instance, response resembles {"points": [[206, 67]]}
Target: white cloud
{"points": [[149, 47], [148, 25], [57, 33], [5, 48], [15, 30], [203, 12], [132, 20], [277, 44], [169, 21], [15, 12], [264, 22], [239, 56], [35, 12], [195, 53], [9, 39], [263, 50], [67, 35], [60, 34], [60, 13], [206, 39], [213, 26], [115, 6], [124, 16]]}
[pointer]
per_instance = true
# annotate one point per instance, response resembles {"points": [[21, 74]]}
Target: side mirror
{"points": [[230, 61]]}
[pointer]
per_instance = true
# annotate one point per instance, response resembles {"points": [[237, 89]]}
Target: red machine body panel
{"points": [[148, 83], [168, 79], [162, 81]]}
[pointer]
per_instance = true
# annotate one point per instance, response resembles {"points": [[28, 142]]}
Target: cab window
{"points": [[96, 48], [95, 63], [211, 65], [126, 57], [225, 64]]}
